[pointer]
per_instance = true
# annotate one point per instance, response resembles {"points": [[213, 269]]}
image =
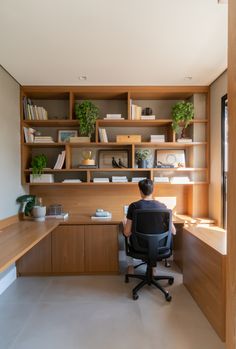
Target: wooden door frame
{"points": [[231, 230]]}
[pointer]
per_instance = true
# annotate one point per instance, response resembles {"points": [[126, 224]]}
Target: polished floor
{"points": [[97, 312]]}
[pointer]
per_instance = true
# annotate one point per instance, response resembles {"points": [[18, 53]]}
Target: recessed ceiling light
{"points": [[82, 77], [188, 77]]}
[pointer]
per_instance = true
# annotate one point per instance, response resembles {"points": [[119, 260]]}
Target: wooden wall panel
{"points": [[85, 200], [231, 243]]}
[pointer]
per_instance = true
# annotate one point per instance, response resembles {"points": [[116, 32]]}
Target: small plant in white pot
{"points": [[142, 157], [39, 163], [87, 114]]}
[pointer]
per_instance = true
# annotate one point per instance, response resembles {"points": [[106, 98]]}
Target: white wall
{"points": [[10, 183], [218, 90]]}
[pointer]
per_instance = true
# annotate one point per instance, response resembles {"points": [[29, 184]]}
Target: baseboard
{"points": [[7, 279]]}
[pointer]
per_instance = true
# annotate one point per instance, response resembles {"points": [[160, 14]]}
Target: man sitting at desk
{"points": [[146, 202]]}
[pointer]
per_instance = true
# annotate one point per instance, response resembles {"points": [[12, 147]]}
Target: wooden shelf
{"points": [[141, 144], [44, 145], [51, 123], [111, 184], [140, 123], [182, 169]]}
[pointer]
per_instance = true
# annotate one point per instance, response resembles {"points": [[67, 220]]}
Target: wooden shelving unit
{"points": [[59, 102]]}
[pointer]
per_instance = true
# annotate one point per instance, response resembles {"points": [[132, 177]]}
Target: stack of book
{"points": [[179, 180], [60, 160], [137, 179], [113, 117], [43, 139], [136, 112], [148, 117], [103, 135], [33, 112], [29, 134], [101, 180], [119, 179], [157, 138], [71, 181], [161, 179]]}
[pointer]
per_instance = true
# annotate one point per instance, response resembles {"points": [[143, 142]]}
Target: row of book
{"points": [[136, 113], [103, 135], [157, 138], [60, 160], [43, 139], [32, 111], [173, 180]]}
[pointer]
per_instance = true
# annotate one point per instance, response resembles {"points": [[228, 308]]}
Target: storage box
{"points": [[44, 178], [128, 139]]}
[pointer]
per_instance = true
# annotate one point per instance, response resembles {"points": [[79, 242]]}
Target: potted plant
{"points": [[142, 157], [87, 114], [38, 163], [182, 114]]}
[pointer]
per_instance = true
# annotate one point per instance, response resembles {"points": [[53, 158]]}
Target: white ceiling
{"points": [[113, 42]]}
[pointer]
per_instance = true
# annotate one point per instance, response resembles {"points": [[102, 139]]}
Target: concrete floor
{"points": [[97, 312]]}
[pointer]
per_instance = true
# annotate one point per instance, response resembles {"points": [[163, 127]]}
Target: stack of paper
{"points": [[157, 138], [137, 179], [119, 179], [113, 117], [179, 180], [161, 179], [71, 181], [101, 180], [43, 139]]}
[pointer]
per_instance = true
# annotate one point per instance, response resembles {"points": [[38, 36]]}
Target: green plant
{"points": [[182, 114], [38, 163], [87, 114], [143, 154]]}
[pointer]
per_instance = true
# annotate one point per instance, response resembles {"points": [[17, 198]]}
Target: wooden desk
{"points": [[200, 252], [18, 238]]}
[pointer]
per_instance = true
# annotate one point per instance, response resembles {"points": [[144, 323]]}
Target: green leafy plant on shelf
{"points": [[182, 115], [87, 114], [38, 163], [142, 157]]}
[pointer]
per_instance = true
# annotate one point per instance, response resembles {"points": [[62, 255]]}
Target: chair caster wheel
{"points": [[126, 279], [168, 297], [170, 281], [135, 296]]}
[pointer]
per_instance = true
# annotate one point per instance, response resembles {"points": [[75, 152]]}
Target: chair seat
{"points": [[143, 255]]}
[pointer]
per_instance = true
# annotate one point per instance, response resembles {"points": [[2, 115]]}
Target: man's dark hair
{"points": [[146, 186]]}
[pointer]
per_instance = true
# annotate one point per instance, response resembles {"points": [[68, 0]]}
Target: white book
{"points": [[71, 181], [62, 159], [179, 180], [56, 166], [104, 134], [137, 179], [113, 116], [100, 135], [148, 117], [101, 180], [161, 179], [184, 140], [26, 134]]}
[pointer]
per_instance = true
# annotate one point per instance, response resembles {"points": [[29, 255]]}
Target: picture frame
{"points": [[105, 157], [172, 158], [64, 135]]}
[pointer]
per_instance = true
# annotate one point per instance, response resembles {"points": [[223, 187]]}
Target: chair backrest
{"points": [[151, 232]]}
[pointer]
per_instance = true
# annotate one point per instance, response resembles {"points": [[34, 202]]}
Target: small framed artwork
{"points": [[170, 158], [113, 158], [64, 135]]}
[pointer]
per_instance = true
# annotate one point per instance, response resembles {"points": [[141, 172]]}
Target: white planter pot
{"points": [[43, 178], [39, 213]]}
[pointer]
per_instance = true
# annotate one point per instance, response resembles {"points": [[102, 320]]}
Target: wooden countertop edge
{"points": [[208, 236], [16, 256]]}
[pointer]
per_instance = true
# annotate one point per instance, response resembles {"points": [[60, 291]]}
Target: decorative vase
{"points": [[142, 163], [39, 213]]}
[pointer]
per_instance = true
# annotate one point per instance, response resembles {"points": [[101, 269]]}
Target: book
{"points": [[71, 181], [148, 117], [113, 116], [136, 112], [88, 166], [60, 160], [103, 135], [179, 180], [101, 218], [161, 179], [137, 179], [101, 180]]}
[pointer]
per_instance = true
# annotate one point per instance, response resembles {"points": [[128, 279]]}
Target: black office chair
{"points": [[151, 241]]}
